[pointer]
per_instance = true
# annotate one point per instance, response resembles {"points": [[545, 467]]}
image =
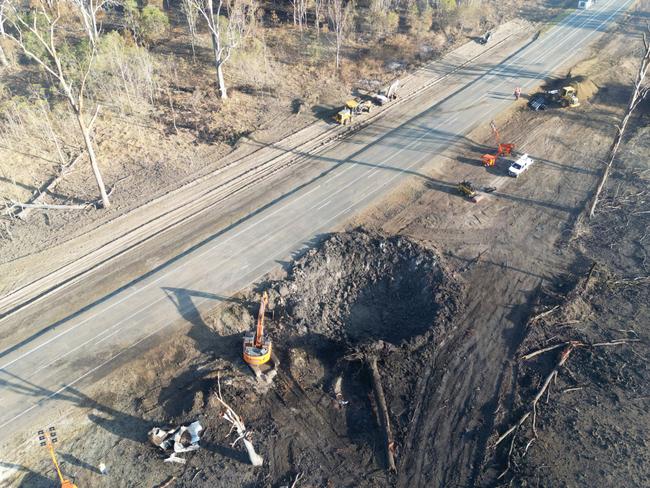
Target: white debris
{"points": [[173, 458], [182, 439]]}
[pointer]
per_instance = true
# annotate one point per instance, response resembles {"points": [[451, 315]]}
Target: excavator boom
{"points": [[259, 334]]}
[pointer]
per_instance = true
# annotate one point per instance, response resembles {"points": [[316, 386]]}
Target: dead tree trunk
{"points": [[638, 94], [238, 426], [93, 160], [382, 412]]}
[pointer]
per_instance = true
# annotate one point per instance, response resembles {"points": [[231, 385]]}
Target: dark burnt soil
{"points": [[356, 289], [361, 287], [593, 427]]}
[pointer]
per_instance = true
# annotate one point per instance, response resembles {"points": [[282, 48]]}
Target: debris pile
{"points": [[178, 440]]}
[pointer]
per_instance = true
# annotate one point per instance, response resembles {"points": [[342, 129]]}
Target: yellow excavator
{"points": [[352, 108]]}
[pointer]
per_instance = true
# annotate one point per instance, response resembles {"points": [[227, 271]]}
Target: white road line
{"points": [[324, 204], [109, 335]]}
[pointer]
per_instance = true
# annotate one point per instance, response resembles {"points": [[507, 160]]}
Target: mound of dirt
{"points": [[361, 287], [579, 78]]}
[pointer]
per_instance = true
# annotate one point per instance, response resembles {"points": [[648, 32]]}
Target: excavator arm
{"points": [[259, 333]]}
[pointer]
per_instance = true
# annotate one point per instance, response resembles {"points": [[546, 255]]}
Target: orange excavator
{"points": [[503, 149], [257, 348]]}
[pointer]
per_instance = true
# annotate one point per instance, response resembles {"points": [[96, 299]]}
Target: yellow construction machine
{"points": [[569, 97], [352, 108], [467, 189]]}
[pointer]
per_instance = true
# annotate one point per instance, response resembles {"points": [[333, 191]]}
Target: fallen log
{"points": [[25, 208], [46, 206], [382, 413], [238, 426]]}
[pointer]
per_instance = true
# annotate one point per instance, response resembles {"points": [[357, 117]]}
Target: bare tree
{"points": [[299, 12], [3, 57], [639, 93], [318, 11], [88, 11], [340, 16], [227, 33], [42, 48], [191, 17]]}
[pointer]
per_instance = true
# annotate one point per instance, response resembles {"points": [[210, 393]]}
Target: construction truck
{"points": [[351, 109], [567, 96], [387, 94], [484, 38]]}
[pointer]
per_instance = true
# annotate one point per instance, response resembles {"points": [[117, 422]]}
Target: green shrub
{"points": [[154, 23]]}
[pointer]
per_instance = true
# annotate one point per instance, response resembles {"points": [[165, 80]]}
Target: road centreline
{"points": [[353, 164]]}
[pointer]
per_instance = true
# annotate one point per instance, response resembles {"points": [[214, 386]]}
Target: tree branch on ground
{"points": [[238, 426], [569, 347]]}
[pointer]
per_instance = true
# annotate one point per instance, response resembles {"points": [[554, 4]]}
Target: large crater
{"points": [[359, 287]]}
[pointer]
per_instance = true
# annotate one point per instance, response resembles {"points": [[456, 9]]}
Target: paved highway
{"points": [[35, 373]]}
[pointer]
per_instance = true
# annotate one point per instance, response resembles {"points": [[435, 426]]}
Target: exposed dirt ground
{"points": [[462, 280]]}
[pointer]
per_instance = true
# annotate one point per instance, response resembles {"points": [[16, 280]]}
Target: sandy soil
{"points": [[521, 250]]}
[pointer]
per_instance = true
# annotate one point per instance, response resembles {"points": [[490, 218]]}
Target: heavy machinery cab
{"points": [[352, 107], [344, 116]]}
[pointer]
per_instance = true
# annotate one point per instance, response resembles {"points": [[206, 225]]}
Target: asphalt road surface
{"points": [[35, 372]]}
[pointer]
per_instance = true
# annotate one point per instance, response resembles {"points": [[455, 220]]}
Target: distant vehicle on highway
{"points": [[522, 163], [585, 4]]}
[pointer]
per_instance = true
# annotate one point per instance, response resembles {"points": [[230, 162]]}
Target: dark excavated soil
{"points": [[360, 287]]}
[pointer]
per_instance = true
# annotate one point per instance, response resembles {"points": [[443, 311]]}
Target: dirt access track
{"points": [[518, 229]]}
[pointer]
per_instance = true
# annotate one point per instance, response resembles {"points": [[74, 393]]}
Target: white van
{"points": [[585, 4]]}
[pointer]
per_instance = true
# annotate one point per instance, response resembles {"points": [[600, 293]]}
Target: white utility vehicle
{"points": [[520, 165], [585, 4]]}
